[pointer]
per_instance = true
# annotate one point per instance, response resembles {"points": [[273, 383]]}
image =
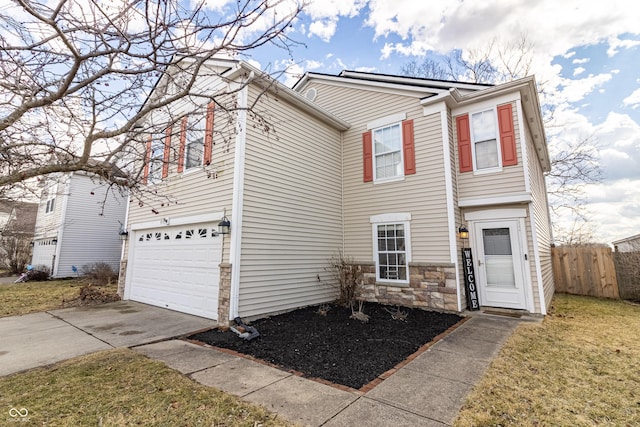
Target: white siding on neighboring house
{"points": [[422, 194], [92, 222], [291, 210], [47, 223]]}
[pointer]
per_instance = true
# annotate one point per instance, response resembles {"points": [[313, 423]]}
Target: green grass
{"points": [[22, 298], [580, 367], [121, 387]]}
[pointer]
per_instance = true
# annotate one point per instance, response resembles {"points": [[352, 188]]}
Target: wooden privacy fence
{"points": [[585, 270]]}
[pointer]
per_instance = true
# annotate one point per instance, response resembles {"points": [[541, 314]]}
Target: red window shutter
{"points": [[167, 153], [208, 136], [367, 156], [183, 141], [147, 161], [408, 147], [507, 136], [464, 143]]}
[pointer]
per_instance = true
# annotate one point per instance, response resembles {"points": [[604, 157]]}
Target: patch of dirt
{"points": [[333, 346], [92, 295]]}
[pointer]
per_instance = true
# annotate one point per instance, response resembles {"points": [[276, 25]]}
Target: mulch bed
{"points": [[333, 346]]}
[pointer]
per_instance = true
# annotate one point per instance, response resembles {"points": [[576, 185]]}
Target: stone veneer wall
{"points": [[122, 275], [224, 294], [430, 286]]}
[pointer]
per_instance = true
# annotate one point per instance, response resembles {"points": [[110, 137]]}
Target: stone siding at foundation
{"points": [[430, 286], [122, 275], [224, 295]]}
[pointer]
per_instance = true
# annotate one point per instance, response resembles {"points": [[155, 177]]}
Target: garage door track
{"points": [[40, 339]]}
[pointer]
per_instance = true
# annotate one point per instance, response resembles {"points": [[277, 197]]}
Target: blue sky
{"points": [[585, 53]]}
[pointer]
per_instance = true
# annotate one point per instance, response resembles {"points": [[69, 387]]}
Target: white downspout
{"points": [[237, 203]]}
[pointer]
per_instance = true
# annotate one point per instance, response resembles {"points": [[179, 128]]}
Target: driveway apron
{"points": [[40, 339]]}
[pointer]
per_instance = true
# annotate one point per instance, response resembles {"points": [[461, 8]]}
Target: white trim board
{"points": [[497, 200], [495, 214]]}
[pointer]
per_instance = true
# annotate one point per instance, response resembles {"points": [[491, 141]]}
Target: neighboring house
{"points": [[383, 169], [17, 224], [17, 218], [78, 224], [629, 244]]}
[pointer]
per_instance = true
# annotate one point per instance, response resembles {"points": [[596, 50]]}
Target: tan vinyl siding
{"points": [[203, 190], [540, 212], [422, 194], [509, 180], [292, 210]]}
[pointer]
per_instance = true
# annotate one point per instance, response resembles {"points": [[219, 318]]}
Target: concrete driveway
{"points": [[40, 339]]}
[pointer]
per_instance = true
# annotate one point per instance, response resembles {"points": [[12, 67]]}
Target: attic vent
{"points": [[311, 94]]}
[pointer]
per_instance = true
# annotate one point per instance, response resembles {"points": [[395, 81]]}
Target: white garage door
{"points": [[177, 268], [43, 252]]}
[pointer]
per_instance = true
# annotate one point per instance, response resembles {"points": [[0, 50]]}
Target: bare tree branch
{"points": [[75, 76]]}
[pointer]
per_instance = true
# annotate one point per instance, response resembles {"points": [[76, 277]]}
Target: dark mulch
{"points": [[333, 346]]}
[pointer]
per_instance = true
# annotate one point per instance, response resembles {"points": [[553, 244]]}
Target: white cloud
{"points": [[615, 44], [632, 100], [576, 90], [579, 70], [325, 14], [323, 28], [580, 61]]}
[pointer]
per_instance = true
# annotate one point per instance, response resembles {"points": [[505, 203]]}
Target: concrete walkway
{"points": [[427, 391]]}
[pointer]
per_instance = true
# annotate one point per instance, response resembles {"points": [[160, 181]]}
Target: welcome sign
{"points": [[470, 280]]}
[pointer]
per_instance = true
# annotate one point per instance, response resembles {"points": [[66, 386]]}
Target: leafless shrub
{"points": [[347, 276], [398, 314], [99, 273]]}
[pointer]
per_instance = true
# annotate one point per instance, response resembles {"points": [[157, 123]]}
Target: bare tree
{"points": [[574, 164], [75, 76]]}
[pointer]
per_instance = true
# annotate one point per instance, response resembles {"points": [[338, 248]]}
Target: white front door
{"points": [[500, 263]]}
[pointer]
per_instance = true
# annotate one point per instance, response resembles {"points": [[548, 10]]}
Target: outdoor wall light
{"points": [[463, 232], [32, 244], [124, 235], [224, 226]]}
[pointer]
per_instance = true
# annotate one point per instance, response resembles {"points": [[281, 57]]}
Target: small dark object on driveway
{"points": [[334, 347]]}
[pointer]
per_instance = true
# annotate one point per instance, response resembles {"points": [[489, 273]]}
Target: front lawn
{"points": [[22, 298], [579, 368], [121, 387]]}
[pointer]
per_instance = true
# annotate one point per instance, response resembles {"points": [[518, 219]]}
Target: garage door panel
{"points": [[178, 268]]}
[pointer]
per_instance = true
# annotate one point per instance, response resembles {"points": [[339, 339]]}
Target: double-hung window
{"points": [[387, 152], [484, 138], [156, 159], [51, 204], [392, 249], [194, 145]]}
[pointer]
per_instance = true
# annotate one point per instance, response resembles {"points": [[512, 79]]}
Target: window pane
{"points": [[487, 154], [484, 126], [391, 257], [496, 241], [387, 151], [194, 153]]}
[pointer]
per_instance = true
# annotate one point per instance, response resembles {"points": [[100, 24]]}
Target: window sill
{"points": [[387, 180], [390, 283], [487, 171]]}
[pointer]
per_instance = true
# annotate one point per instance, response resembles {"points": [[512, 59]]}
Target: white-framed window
{"points": [[387, 152], [157, 158], [392, 247], [194, 145], [484, 140], [51, 204]]}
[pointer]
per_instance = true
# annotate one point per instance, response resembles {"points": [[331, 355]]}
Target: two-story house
{"points": [[78, 223], [385, 169]]}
